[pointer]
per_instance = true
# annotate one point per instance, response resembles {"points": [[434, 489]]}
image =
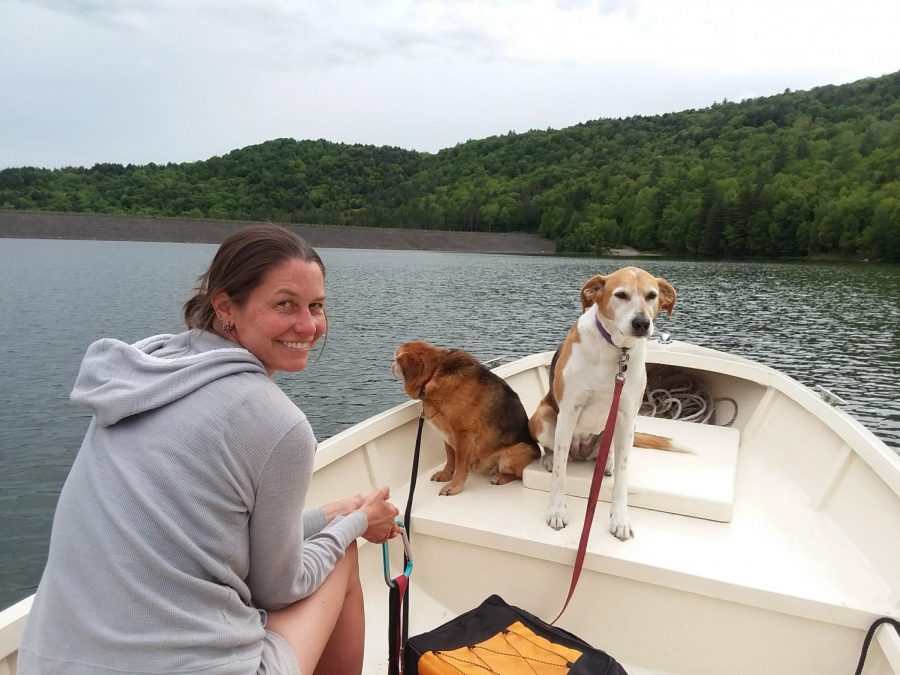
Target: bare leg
{"points": [[344, 651], [327, 629]]}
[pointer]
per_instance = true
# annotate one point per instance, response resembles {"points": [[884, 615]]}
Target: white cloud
{"points": [[175, 80]]}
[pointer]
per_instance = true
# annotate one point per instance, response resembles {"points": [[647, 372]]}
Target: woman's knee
{"points": [[307, 624], [351, 561], [352, 553]]}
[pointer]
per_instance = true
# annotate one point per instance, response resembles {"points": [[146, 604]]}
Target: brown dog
{"points": [[479, 416]]}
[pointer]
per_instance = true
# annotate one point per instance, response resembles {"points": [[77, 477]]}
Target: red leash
{"points": [[599, 468], [395, 624]]}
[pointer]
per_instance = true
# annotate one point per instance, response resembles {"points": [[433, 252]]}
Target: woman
{"points": [[180, 543]]}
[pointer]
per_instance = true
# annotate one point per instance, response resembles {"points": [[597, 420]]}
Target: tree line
{"points": [[809, 173]]}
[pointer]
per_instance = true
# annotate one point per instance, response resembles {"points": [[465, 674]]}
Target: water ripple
{"points": [[828, 324]]}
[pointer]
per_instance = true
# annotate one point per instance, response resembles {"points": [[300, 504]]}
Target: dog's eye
{"points": [[621, 295], [651, 295]]}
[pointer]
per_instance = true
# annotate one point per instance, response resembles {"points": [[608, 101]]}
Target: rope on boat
{"points": [[490, 364], [674, 394], [868, 639]]}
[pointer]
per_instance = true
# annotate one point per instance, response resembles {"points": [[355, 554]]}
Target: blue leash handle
{"points": [[407, 552]]}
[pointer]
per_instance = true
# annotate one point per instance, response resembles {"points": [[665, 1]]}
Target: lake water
{"points": [[829, 324]]}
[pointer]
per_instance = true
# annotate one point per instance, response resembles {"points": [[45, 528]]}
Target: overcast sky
{"points": [[137, 81]]}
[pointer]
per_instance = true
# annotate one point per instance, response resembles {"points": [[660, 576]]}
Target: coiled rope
{"points": [[674, 394]]}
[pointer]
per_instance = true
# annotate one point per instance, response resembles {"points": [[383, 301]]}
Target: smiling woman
{"points": [[265, 291], [190, 486], [281, 320]]}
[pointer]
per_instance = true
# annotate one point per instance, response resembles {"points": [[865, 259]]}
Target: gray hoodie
{"points": [[182, 517]]}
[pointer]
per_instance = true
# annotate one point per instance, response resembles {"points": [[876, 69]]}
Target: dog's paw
{"points": [[610, 465], [442, 476], [557, 518], [620, 526], [547, 461], [450, 489]]}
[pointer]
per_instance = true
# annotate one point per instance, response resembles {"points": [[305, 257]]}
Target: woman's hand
{"points": [[381, 514], [343, 507]]}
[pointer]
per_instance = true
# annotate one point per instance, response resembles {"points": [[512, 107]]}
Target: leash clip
{"points": [[407, 553], [623, 363]]}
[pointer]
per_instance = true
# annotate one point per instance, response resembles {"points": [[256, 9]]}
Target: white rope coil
{"points": [[675, 395]]}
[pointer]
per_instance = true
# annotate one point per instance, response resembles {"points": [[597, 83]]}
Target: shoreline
{"points": [[105, 227], [96, 226]]}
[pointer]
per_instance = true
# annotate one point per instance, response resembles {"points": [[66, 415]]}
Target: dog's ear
{"points": [[411, 366], [666, 296], [592, 288]]}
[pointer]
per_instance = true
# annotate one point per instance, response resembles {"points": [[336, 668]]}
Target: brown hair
{"points": [[239, 266]]}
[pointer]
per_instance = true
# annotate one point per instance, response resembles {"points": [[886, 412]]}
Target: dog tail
{"points": [[654, 442]]}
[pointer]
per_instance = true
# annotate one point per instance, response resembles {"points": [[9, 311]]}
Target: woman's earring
{"points": [[228, 327]]}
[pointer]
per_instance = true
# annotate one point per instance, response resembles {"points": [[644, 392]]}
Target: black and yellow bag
{"points": [[499, 638]]}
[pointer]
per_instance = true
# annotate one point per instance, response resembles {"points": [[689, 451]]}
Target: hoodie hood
{"points": [[118, 380]]}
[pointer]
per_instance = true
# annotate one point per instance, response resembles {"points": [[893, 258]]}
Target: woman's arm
{"points": [[283, 566], [316, 518], [343, 507], [380, 514]]}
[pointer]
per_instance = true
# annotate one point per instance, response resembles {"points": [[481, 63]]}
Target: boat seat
{"points": [[698, 484]]}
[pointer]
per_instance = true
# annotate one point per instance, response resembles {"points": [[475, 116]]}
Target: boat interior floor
{"points": [[760, 558], [497, 539]]}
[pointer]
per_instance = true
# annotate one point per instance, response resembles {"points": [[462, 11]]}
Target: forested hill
{"points": [[801, 173]]}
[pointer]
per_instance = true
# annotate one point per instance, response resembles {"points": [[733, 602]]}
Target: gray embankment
{"points": [[52, 225]]}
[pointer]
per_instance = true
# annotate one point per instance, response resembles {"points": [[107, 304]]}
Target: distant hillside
{"points": [[797, 174]]}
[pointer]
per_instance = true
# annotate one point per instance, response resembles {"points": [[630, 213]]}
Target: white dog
{"points": [[618, 315]]}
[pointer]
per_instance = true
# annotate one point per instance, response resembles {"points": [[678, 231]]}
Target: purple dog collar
{"points": [[604, 332]]}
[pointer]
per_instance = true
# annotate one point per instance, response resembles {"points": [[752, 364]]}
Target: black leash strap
{"points": [[870, 635], [412, 479], [395, 601]]}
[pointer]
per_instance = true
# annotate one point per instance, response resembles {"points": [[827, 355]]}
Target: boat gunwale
{"points": [[12, 625]]}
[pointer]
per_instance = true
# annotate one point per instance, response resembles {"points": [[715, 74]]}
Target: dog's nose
{"points": [[640, 324]]}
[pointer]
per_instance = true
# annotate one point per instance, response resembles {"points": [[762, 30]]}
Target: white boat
{"points": [[771, 549]]}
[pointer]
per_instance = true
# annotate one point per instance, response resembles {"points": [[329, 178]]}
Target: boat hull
{"points": [[786, 581]]}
